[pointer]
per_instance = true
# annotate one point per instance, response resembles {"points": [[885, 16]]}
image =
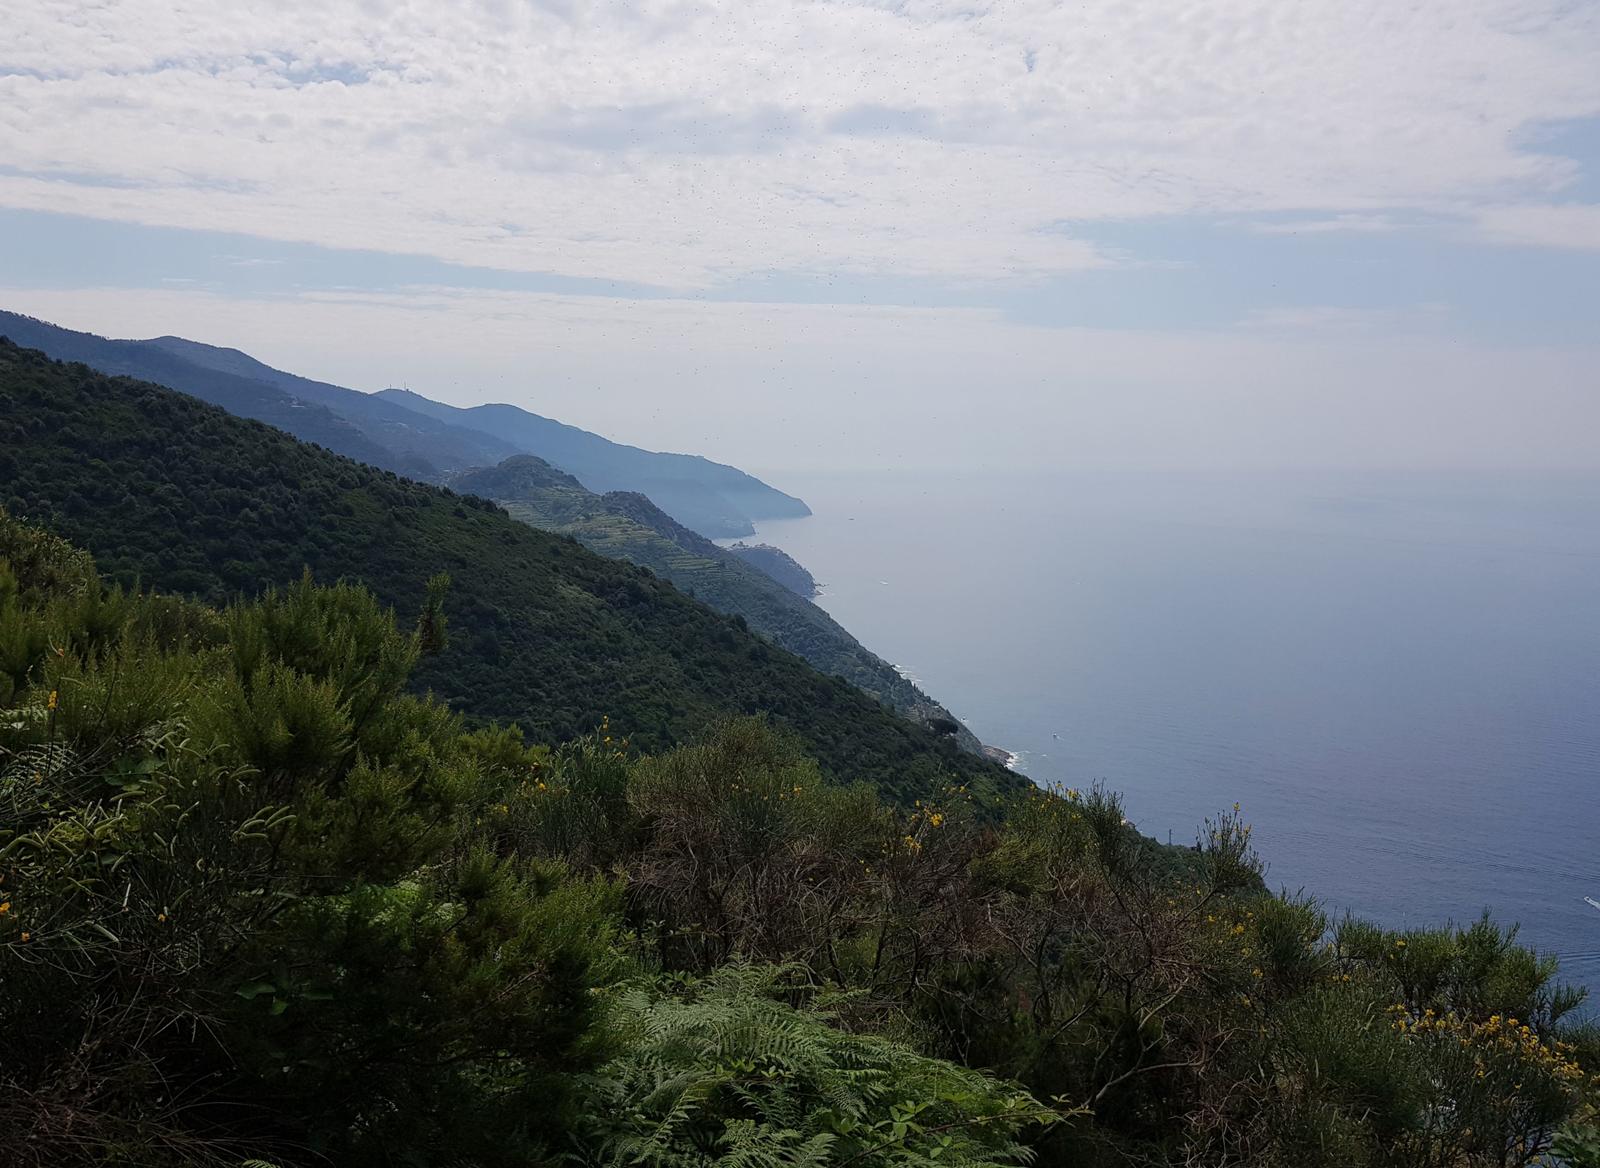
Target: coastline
{"points": [[1006, 758]]}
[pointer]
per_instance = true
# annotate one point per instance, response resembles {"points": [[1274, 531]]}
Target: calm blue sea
{"points": [[1398, 677]]}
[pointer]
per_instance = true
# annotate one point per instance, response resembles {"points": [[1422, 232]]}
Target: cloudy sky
{"points": [[822, 233]]}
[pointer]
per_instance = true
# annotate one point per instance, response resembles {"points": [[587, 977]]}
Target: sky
{"points": [[824, 234]]}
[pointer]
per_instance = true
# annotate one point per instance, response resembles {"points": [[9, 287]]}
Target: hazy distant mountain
{"points": [[245, 396], [406, 432], [711, 498], [413, 435]]}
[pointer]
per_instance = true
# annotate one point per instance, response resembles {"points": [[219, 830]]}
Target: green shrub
{"points": [[730, 1071]]}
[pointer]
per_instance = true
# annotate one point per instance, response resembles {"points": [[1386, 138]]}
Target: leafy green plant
{"points": [[742, 1068]]}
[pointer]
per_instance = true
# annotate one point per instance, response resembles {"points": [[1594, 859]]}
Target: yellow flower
{"points": [[53, 698], [5, 908], [162, 917], [26, 937]]}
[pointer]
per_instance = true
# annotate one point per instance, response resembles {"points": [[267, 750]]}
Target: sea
{"points": [[1396, 676]]}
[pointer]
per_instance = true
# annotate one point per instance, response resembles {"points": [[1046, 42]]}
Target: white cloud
{"points": [[1323, 318], [1358, 224], [683, 142], [1568, 225]]}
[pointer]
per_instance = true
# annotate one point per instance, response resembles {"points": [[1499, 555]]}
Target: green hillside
{"points": [[628, 526], [261, 908], [179, 495]]}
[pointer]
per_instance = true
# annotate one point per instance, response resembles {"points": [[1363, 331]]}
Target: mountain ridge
{"points": [[414, 435]]}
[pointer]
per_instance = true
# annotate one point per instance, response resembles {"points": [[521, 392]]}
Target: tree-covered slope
{"points": [[628, 526], [183, 496]]}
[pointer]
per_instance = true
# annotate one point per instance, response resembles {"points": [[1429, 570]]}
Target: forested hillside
{"points": [[173, 493], [626, 525]]}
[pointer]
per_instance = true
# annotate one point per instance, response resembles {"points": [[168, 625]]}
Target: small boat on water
{"points": [[1592, 902]]}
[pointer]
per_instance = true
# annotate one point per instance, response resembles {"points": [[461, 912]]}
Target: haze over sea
{"points": [[1394, 675]]}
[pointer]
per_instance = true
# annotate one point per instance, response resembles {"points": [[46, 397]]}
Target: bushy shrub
{"points": [[247, 902]]}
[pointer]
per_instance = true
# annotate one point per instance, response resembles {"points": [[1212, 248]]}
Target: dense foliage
{"points": [[259, 904], [166, 490], [628, 526]]}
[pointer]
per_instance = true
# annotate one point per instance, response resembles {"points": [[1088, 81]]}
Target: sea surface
{"points": [[1397, 677]]}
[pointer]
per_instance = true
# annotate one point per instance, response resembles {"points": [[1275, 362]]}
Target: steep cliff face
{"points": [[780, 565]]}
